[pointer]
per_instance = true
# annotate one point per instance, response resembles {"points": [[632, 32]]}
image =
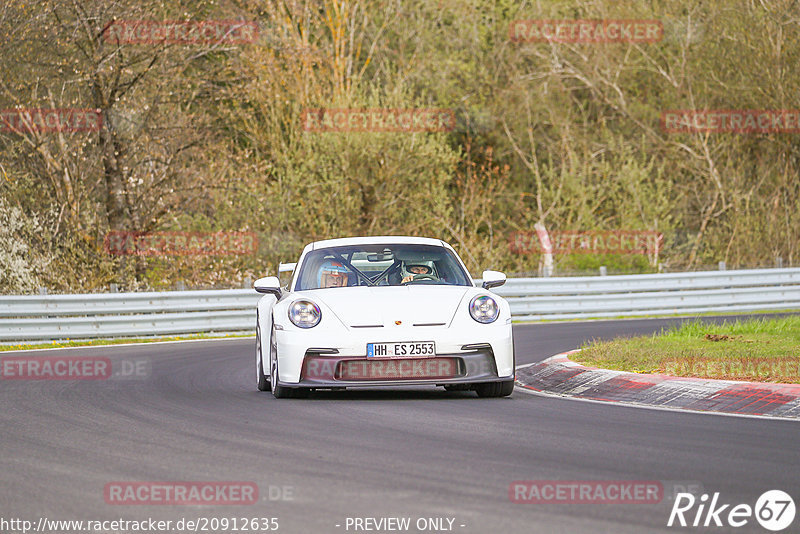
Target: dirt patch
{"points": [[725, 337]]}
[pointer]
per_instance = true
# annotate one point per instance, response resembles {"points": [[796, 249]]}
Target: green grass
{"points": [[115, 341], [766, 350]]}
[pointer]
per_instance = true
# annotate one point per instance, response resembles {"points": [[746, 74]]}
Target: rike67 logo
{"points": [[774, 510]]}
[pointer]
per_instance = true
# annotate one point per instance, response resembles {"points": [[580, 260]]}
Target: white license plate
{"points": [[405, 349]]}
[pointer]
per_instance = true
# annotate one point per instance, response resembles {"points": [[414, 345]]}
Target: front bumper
{"points": [[325, 371], [485, 353]]}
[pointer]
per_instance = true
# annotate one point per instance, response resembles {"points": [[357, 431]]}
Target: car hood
{"points": [[372, 306]]}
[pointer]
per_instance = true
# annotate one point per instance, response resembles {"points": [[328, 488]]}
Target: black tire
{"points": [[263, 381], [503, 388]]}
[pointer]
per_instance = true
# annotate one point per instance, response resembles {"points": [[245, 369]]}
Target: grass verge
{"points": [[763, 350], [116, 341]]}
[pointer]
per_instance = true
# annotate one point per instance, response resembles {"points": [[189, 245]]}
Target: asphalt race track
{"points": [[420, 453]]}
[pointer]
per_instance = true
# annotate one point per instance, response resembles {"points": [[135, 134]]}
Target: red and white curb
{"points": [[558, 375]]}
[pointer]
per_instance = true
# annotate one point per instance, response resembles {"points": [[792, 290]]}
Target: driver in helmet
{"points": [[412, 270], [333, 274]]}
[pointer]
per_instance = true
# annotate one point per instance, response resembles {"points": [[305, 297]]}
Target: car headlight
{"points": [[484, 309], [304, 313]]}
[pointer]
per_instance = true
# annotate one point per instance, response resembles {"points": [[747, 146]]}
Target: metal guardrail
{"points": [[52, 317], [652, 294], [55, 317]]}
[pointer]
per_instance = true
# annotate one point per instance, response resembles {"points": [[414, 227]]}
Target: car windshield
{"points": [[381, 265]]}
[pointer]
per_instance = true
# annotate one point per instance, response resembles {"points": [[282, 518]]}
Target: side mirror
{"points": [[493, 279], [268, 284]]}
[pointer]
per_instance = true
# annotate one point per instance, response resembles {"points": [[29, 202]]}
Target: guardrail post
{"points": [[779, 262], [603, 270], [722, 266], [113, 288], [43, 291]]}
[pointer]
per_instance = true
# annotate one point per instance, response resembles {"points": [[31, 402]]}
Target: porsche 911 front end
{"points": [[370, 312]]}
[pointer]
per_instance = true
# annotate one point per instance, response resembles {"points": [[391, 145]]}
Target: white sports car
{"points": [[382, 311]]}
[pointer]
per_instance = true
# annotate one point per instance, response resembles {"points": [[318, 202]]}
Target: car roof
{"points": [[376, 240]]}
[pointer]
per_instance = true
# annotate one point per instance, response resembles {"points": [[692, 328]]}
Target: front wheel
{"points": [[279, 391], [495, 389]]}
